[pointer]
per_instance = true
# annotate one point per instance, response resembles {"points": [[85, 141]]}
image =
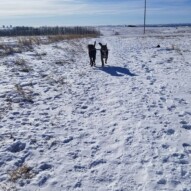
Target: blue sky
{"points": [[92, 12]]}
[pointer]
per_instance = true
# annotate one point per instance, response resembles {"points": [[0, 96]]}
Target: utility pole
{"points": [[145, 15]]}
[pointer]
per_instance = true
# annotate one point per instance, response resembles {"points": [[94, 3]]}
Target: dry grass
{"points": [[25, 42], [57, 38], [8, 187], [82, 74], [23, 65], [22, 44], [26, 95], [29, 41], [5, 108], [6, 50], [177, 49], [2, 46], [40, 55], [20, 62], [57, 80], [23, 172]]}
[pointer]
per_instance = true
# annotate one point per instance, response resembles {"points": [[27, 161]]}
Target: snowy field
{"points": [[65, 126]]}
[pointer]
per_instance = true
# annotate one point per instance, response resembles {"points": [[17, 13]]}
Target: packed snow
{"points": [[66, 126]]}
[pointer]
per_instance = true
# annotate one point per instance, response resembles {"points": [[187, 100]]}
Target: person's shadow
{"points": [[117, 71]]}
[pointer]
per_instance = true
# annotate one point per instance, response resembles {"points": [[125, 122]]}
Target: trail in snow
{"points": [[122, 127]]}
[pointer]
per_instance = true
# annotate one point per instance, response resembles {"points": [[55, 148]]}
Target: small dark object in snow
{"points": [[158, 46]]}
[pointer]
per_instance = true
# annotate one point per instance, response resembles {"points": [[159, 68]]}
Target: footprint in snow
{"points": [[67, 140], [186, 126], [171, 108], [97, 162], [165, 146], [84, 107], [43, 179], [162, 181], [185, 113], [180, 101], [80, 168], [16, 147], [78, 184], [186, 145], [187, 148], [170, 131], [179, 158], [95, 149], [129, 140]]}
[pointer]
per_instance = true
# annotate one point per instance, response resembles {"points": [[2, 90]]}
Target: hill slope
{"points": [[126, 126]]}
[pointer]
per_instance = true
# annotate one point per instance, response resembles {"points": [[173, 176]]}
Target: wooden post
{"points": [[145, 15]]}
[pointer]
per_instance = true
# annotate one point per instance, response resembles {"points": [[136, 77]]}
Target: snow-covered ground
{"points": [[126, 127]]}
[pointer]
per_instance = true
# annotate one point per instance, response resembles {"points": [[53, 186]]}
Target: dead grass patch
{"points": [[25, 95], [20, 62], [6, 50], [40, 55], [23, 172], [29, 41], [177, 49], [8, 187], [23, 65], [5, 108], [57, 38]]}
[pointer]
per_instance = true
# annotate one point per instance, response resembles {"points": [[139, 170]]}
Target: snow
{"points": [[124, 127]]}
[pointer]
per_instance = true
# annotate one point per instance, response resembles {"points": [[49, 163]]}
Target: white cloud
{"points": [[38, 7], [46, 8], [17, 8]]}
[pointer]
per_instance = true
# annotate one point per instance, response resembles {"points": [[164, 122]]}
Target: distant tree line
{"points": [[32, 31]]}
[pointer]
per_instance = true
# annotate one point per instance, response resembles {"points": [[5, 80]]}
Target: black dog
{"points": [[92, 53], [104, 53]]}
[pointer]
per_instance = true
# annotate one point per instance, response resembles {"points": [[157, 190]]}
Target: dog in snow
{"points": [[92, 53], [104, 53]]}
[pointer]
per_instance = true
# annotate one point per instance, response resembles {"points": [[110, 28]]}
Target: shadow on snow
{"points": [[116, 71]]}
